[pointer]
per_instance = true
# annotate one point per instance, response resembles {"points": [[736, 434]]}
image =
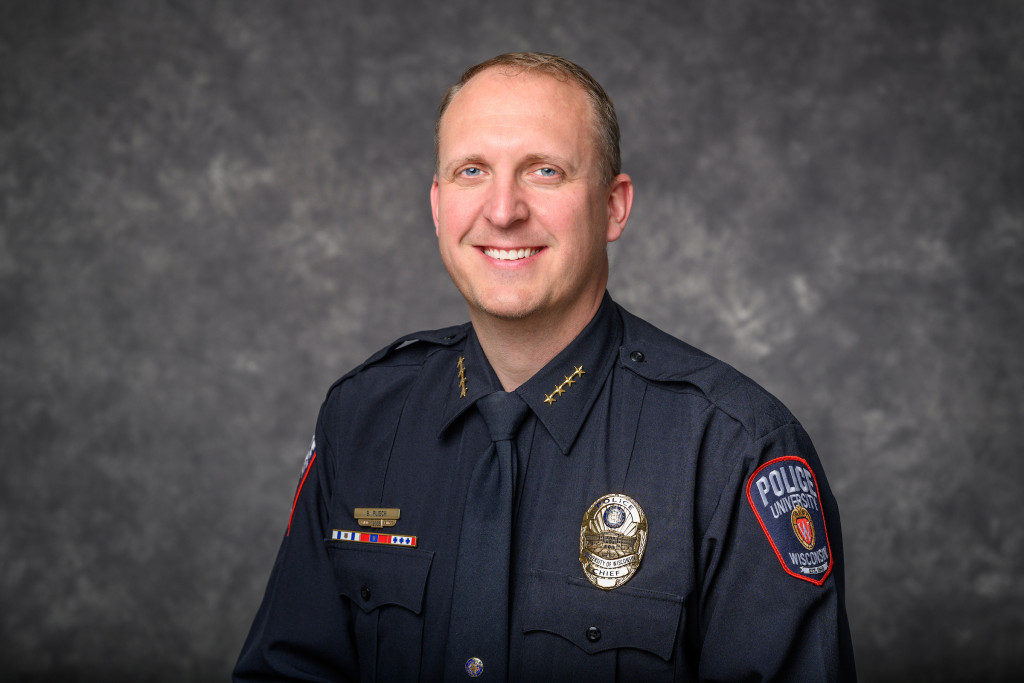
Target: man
{"points": [[644, 513]]}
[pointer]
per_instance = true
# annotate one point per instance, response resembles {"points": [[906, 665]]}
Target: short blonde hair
{"points": [[606, 124]]}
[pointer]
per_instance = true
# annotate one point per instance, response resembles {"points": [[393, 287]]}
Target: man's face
{"points": [[522, 215]]}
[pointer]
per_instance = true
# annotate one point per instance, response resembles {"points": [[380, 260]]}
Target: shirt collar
{"points": [[561, 393]]}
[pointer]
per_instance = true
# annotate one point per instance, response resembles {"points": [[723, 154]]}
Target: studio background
{"points": [[211, 210]]}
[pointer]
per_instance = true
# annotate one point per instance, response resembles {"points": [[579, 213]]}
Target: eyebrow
{"points": [[551, 159], [451, 166], [529, 159]]}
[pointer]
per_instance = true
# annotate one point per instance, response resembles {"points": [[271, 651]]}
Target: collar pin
{"points": [[462, 377], [569, 381]]}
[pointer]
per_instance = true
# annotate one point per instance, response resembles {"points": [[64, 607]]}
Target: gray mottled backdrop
{"points": [[210, 210]]}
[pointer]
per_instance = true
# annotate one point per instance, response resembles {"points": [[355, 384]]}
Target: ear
{"points": [[620, 202], [433, 202]]}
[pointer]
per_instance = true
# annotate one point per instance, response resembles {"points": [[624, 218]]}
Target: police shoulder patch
{"points": [[309, 455], [306, 464], [783, 494]]}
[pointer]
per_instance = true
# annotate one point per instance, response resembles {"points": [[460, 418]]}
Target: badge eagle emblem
{"points": [[613, 537]]}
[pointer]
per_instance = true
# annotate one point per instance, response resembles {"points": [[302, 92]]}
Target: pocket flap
{"points": [[624, 617], [371, 577]]}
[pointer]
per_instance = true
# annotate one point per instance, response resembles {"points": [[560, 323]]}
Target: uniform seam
{"points": [[717, 403], [380, 364], [394, 437], [636, 431]]}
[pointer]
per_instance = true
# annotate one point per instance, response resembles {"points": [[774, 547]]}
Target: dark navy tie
{"points": [[478, 634]]}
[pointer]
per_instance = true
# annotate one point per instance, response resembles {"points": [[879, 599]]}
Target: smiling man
{"points": [[524, 209], [556, 490]]}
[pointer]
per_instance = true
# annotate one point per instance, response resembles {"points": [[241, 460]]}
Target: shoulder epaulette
{"points": [[418, 345], [659, 357]]}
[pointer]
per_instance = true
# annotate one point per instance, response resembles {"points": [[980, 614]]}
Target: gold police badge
{"points": [[612, 540]]}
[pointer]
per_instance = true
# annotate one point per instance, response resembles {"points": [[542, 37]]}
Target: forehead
{"points": [[517, 108]]}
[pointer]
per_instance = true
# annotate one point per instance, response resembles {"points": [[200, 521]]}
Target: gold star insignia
{"points": [[560, 389], [462, 377]]}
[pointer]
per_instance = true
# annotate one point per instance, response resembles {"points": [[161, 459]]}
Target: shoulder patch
{"points": [[309, 455], [310, 458], [783, 494]]}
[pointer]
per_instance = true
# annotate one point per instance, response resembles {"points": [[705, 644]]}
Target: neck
{"points": [[517, 349]]}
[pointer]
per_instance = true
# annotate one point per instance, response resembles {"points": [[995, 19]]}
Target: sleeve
{"points": [[301, 631], [772, 595]]}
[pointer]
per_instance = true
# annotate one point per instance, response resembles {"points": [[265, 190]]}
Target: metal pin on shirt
{"points": [[462, 377], [377, 518], [569, 381]]}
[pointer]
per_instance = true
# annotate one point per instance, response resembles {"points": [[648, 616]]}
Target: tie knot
{"points": [[503, 412]]}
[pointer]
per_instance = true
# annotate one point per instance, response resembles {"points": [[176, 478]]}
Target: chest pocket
{"points": [[385, 588], [576, 632]]}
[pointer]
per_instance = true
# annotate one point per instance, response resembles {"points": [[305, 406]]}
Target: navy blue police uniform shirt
{"points": [[741, 575]]}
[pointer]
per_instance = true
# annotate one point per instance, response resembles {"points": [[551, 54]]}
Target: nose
{"points": [[506, 205]]}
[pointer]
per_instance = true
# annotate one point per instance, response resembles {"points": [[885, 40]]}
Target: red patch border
{"points": [[299, 490], [828, 543]]}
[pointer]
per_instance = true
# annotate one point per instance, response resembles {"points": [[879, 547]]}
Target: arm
{"points": [[773, 603], [302, 631]]}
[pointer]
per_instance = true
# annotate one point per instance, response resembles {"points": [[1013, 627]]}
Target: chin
{"points": [[506, 308]]}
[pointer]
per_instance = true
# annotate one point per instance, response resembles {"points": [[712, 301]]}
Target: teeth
{"points": [[510, 254]]}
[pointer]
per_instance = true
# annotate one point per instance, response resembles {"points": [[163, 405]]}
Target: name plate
{"points": [[377, 518]]}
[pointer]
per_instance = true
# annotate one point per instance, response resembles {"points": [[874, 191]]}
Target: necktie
{"points": [[478, 634]]}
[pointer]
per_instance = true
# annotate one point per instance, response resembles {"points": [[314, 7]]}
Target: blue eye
{"points": [[548, 172], [471, 172]]}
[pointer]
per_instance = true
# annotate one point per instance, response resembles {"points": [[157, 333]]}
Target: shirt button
{"points": [[364, 592], [593, 634], [637, 357]]}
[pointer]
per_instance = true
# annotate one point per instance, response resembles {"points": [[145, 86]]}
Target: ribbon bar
{"points": [[361, 537]]}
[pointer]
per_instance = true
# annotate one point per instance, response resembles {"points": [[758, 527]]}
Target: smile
{"points": [[510, 254]]}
